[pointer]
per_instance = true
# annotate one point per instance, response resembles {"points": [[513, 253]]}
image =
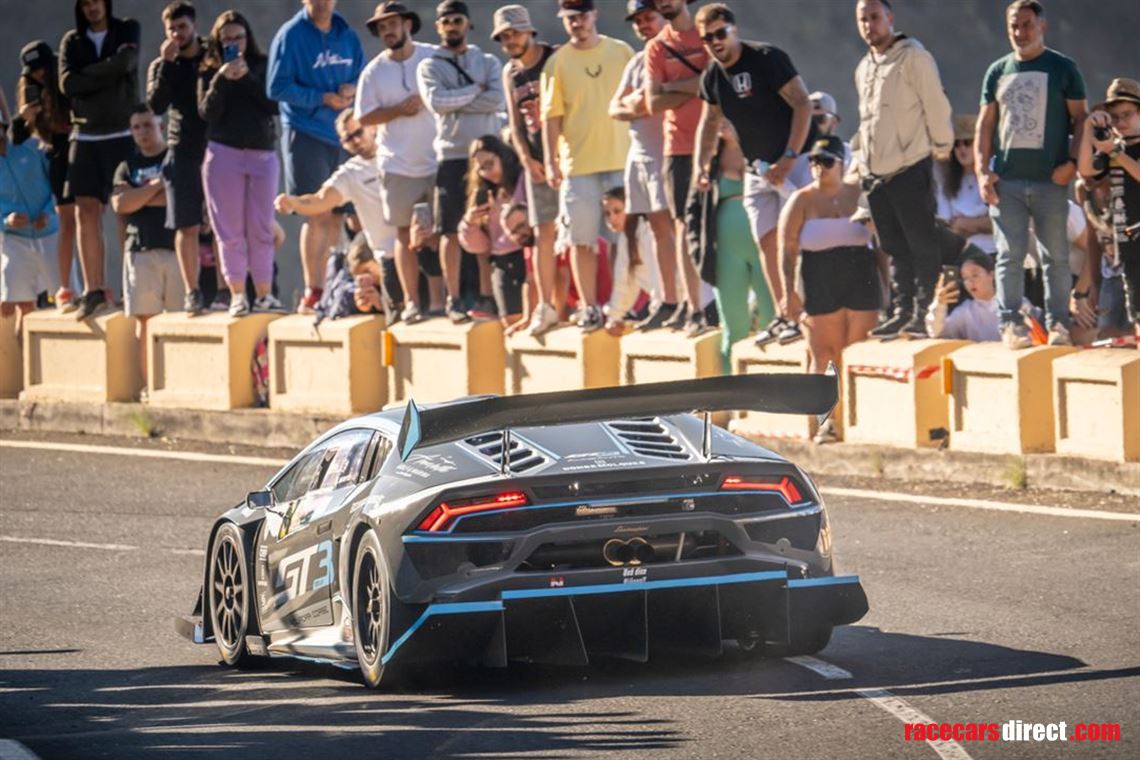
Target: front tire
{"points": [[229, 591], [371, 610]]}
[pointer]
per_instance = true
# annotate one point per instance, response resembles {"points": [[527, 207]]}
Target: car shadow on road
{"points": [[459, 711]]}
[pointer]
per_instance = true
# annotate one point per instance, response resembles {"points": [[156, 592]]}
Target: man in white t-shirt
{"points": [[387, 97]]}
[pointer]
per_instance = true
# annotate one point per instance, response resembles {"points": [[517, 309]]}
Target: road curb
{"points": [[266, 428]]}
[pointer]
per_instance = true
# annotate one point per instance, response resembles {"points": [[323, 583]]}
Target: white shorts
{"points": [[763, 202], [580, 205], [645, 186], [152, 283], [28, 267]]}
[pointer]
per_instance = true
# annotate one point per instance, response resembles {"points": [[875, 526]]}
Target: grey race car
{"points": [[616, 524]]}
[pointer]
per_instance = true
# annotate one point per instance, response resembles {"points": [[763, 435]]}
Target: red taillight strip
{"points": [[439, 519], [786, 487]]}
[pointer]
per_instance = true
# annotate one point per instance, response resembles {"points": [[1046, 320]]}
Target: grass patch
{"points": [[143, 424], [1016, 476]]}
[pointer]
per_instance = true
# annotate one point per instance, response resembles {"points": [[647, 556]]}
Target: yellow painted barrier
{"points": [[438, 361], [773, 358], [563, 359], [1096, 402], [95, 360], [662, 355], [11, 359]]}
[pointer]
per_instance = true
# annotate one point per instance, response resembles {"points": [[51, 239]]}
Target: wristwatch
{"points": [[789, 153]]}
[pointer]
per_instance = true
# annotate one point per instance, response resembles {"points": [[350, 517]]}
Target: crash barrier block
{"points": [[892, 392], [1001, 401], [203, 362], [336, 367], [748, 358], [562, 359], [435, 360], [1096, 404], [661, 355], [96, 360], [11, 359]]}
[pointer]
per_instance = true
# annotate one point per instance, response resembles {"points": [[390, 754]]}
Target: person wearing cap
{"points": [[832, 253], [388, 98], [527, 56], [1033, 101], [674, 62], [98, 72], [959, 203], [172, 86], [585, 150], [645, 193], [1110, 149], [46, 110], [463, 87], [314, 61], [757, 89]]}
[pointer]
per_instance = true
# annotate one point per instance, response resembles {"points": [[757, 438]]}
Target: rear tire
{"points": [[229, 592], [371, 610]]}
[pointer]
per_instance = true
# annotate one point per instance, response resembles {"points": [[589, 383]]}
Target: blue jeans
{"points": [[1047, 204]]}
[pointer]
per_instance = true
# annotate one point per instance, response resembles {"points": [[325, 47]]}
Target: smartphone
{"points": [[230, 52], [423, 216], [482, 196], [950, 274]]}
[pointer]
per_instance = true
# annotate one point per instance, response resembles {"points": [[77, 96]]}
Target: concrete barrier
{"points": [[336, 367], [11, 359], [748, 358], [1001, 401], [96, 360], [662, 355], [893, 393], [563, 359], [438, 361], [1096, 403], [203, 362]]}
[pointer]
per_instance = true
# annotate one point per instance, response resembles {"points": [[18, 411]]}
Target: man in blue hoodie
{"points": [[314, 62], [28, 222]]}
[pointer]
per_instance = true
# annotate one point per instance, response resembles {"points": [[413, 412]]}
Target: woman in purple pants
{"points": [[240, 170]]}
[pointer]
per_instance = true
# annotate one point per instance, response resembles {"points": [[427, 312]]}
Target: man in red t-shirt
{"points": [[674, 60]]}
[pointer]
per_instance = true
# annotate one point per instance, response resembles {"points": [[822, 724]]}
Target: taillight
{"points": [[442, 517], [782, 485]]}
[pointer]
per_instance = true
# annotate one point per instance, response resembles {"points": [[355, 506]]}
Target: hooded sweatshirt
{"points": [[305, 64], [467, 104], [904, 114], [103, 84], [25, 187]]}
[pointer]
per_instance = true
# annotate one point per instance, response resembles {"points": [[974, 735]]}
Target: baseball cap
{"points": [[824, 102], [452, 8], [34, 56], [389, 9], [830, 146], [515, 17], [1122, 90], [574, 7], [634, 7], [964, 124]]}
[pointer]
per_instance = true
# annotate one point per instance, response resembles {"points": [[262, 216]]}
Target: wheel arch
{"points": [[247, 528]]}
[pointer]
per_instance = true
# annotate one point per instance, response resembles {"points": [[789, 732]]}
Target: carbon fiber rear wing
{"points": [[775, 393]]}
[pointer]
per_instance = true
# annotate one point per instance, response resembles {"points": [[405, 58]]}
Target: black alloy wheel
{"points": [[228, 590], [371, 609]]}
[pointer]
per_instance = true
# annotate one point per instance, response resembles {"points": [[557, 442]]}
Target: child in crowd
{"points": [[636, 281]]}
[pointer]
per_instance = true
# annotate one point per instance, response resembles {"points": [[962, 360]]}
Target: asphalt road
{"points": [[976, 616]]}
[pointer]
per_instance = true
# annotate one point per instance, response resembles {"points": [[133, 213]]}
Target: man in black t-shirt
{"points": [[757, 89], [152, 279]]}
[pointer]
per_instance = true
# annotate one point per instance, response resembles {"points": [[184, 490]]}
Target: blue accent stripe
{"points": [[838, 580], [449, 608], [610, 588]]}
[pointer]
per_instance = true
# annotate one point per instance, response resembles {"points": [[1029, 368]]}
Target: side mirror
{"points": [[259, 499]]}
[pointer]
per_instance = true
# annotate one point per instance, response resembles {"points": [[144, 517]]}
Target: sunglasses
{"points": [[353, 136], [960, 143], [719, 35], [820, 118], [452, 20], [824, 161]]}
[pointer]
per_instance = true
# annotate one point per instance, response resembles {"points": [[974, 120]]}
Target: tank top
{"points": [[822, 234], [525, 93]]}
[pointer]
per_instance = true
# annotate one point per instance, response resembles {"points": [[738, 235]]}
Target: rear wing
{"points": [[776, 393]]}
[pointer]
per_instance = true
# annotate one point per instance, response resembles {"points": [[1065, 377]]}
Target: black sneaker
{"points": [[679, 319], [221, 301], [790, 334], [893, 326], [483, 309], [697, 324], [916, 327], [771, 333], [89, 304], [657, 318], [192, 304], [591, 319], [455, 311]]}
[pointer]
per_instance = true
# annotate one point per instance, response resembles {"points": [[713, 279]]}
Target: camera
{"points": [[1102, 133]]}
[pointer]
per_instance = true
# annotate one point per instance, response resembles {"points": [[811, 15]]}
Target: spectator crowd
{"points": [[697, 182]]}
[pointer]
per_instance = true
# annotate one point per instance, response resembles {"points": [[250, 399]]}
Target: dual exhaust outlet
{"points": [[639, 551]]}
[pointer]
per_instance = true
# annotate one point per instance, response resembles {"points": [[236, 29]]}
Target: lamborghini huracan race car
{"points": [[549, 528]]}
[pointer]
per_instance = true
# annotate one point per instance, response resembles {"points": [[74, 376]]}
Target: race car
{"points": [[549, 528]]}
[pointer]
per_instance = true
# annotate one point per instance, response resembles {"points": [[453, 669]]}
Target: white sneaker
{"points": [[1015, 336], [544, 318], [412, 314], [239, 305], [267, 302], [1059, 335]]}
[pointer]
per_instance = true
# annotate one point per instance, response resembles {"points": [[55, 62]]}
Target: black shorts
{"points": [[1130, 258], [678, 183], [308, 162], [840, 278], [508, 277], [57, 169], [91, 166], [449, 201], [428, 259], [182, 176]]}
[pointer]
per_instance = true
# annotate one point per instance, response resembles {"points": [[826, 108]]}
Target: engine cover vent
{"points": [[648, 437], [522, 456]]}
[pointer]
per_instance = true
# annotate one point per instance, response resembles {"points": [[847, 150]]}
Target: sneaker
{"points": [[679, 319], [239, 305], [65, 301], [309, 302], [916, 327], [657, 317], [1015, 336], [1059, 335], [412, 314], [790, 333], [90, 303], [433, 313], [483, 309], [771, 333], [267, 303], [192, 303], [826, 433], [591, 319], [893, 326], [221, 301], [696, 324], [544, 318], [455, 311]]}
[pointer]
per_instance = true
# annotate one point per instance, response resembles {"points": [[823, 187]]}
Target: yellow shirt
{"points": [[577, 85]]}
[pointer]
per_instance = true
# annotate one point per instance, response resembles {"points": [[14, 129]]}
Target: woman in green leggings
{"points": [[738, 268]]}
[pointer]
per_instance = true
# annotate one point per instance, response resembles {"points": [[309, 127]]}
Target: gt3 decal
{"points": [[298, 573]]}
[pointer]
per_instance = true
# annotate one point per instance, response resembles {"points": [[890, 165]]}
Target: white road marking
{"points": [[825, 669], [947, 749], [69, 544], [996, 506], [191, 552], [185, 456], [11, 749]]}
